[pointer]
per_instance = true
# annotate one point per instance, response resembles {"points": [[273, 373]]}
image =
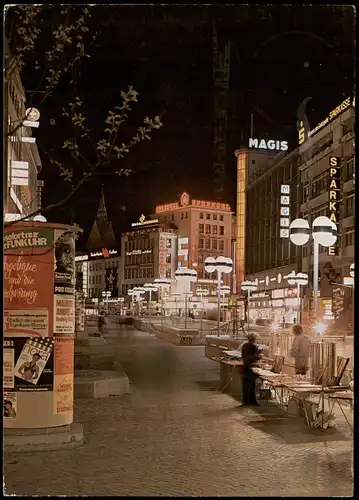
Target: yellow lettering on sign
{"points": [[331, 251], [332, 206], [333, 195], [333, 217], [333, 184]]}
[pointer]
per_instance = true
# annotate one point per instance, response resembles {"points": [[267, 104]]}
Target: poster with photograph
{"points": [[64, 272], [33, 358], [10, 405], [27, 321], [28, 280], [64, 314], [8, 364]]}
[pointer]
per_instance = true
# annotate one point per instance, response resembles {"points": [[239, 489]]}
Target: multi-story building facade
{"points": [[22, 190], [327, 168], [149, 251], [317, 178], [264, 251], [204, 229]]}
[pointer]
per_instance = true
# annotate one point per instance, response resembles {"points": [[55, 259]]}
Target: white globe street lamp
{"points": [[202, 292], [186, 276], [106, 296], [223, 265], [324, 232], [299, 279], [150, 287], [249, 286], [162, 284]]}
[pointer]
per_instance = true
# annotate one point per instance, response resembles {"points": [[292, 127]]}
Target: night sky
{"points": [[279, 56]]}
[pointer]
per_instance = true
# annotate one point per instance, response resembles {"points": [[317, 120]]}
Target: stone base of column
{"points": [[46, 439]]}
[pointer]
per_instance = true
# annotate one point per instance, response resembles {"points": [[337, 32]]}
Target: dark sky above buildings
{"points": [[279, 56]]}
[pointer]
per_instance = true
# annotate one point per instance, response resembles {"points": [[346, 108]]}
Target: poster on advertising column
{"points": [[64, 375], [64, 283], [28, 364], [28, 281]]}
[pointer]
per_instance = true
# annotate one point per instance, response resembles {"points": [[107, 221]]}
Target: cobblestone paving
{"points": [[176, 435]]}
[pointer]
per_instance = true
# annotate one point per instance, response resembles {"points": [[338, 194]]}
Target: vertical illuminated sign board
{"points": [[284, 210], [334, 198]]}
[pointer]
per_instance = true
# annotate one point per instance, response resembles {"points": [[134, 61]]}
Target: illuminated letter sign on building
{"points": [[271, 145], [284, 210], [334, 197]]}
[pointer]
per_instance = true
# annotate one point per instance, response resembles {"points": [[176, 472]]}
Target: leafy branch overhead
{"points": [[51, 42], [109, 147]]}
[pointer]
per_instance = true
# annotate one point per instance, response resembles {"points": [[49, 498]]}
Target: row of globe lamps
{"points": [[324, 232]]}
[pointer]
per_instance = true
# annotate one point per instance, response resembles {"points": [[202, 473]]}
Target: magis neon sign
{"points": [[270, 144]]}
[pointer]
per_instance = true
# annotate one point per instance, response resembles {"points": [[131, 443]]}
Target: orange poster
{"points": [[28, 281], [63, 374]]}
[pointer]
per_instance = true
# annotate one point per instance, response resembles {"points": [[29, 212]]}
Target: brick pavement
{"points": [[176, 435]]}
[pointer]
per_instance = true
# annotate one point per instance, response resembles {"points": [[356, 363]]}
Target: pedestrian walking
{"points": [[300, 350], [250, 354], [101, 323]]}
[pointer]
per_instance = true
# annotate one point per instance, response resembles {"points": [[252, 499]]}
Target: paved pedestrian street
{"points": [[177, 435]]}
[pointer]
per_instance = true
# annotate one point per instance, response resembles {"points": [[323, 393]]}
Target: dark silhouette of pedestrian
{"points": [[250, 354]]}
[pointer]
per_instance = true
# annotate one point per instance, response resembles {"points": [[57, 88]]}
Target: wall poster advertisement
{"points": [[64, 375], [32, 321], [30, 359], [10, 405], [64, 283], [28, 281]]}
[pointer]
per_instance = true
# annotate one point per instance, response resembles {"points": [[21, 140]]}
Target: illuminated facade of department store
{"points": [[263, 247]]}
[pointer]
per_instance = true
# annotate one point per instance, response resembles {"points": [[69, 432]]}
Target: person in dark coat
{"points": [[250, 354]]}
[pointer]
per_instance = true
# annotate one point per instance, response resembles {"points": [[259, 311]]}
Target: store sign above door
{"points": [[270, 144]]}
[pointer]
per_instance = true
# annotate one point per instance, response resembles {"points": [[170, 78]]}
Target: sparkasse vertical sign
{"points": [[334, 198]]}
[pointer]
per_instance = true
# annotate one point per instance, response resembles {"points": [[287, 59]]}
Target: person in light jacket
{"points": [[300, 350]]}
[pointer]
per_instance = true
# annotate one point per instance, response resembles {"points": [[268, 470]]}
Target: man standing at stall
{"points": [[250, 354], [300, 350]]}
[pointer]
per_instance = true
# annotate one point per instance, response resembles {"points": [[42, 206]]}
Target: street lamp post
{"points": [[249, 286], [121, 300], [131, 293], [106, 296], [149, 287], [202, 292], [138, 291], [225, 290], [299, 279], [324, 232], [186, 276], [162, 284], [223, 265]]}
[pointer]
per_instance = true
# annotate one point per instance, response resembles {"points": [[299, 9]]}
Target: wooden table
{"points": [[231, 377], [340, 397]]}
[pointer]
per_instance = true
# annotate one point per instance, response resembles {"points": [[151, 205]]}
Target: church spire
{"points": [[101, 211]]}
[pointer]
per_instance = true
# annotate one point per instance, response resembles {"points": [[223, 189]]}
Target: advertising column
{"points": [[39, 321]]}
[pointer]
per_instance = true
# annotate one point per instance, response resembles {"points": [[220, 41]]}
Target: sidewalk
{"points": [[177, 435]]}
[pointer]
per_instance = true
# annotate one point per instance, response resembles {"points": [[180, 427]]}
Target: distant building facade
{"points": [[99, 269], [204, 229], [149, 251]]}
